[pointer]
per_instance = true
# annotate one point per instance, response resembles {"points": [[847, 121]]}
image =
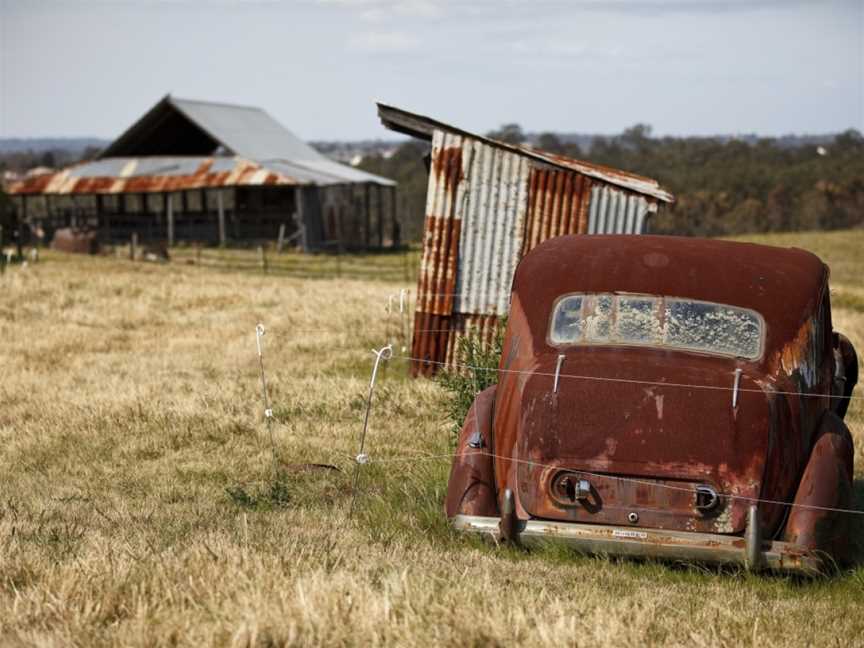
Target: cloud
{"points": [[549, 46], [377, 10], [383, 41], [668, 7]]}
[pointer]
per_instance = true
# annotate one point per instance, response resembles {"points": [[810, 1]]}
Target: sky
{"points": [[685, 67]]}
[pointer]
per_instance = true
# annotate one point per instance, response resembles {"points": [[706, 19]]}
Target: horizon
{"points": [[401, 139]]}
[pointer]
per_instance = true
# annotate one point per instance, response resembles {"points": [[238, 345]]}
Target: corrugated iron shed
{"points": [[488, 203]]}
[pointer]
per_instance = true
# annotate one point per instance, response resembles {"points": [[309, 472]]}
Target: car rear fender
{"points": [[826, 483], [471, 488]]}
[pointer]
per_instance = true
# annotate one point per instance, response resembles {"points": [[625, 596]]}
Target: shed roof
{"points": [[423, 127]]}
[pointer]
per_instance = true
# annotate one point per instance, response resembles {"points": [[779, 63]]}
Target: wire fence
{"points": [[398, 265], [364, 457]]}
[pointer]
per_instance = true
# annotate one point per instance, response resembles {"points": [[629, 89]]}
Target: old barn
{"points": [[211, 172]]}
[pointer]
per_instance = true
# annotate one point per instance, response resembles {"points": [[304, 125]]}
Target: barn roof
{"points": [[179, 142]]}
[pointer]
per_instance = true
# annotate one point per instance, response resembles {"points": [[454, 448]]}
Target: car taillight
{"points": [[570, 488]]}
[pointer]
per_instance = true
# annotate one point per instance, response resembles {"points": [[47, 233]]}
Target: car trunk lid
{"points": [[648, 447]]}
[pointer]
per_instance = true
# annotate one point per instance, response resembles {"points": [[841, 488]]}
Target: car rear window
{"points": [[648, 320]]}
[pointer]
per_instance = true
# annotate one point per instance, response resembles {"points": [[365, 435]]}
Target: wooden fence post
{"points": [[169, 214], [220, 205]]}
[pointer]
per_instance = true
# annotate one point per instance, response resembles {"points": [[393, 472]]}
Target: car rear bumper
{"points": [[651, 543]]}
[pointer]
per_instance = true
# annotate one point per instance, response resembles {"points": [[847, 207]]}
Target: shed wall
{"points": [[486, 207]]}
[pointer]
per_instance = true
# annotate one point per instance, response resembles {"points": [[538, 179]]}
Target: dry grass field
{"points": [[138, 504]]}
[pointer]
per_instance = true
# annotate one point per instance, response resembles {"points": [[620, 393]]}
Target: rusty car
{"points": [[666, 397]]}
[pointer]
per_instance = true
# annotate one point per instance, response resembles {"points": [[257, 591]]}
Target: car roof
{"points": [[784, 285]]}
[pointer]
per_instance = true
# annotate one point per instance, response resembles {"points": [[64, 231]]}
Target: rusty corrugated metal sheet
{"points": [[558, 205], [618, 212], [157, 174], [492, 207], [436, 285], [436, 338], [462, 326]]}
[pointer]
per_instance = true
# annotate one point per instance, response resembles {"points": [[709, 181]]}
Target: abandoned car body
{"points": [[665, 397]]}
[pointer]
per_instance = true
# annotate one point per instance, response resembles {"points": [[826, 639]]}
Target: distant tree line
{"points": [[721, 186], [22, 161]]}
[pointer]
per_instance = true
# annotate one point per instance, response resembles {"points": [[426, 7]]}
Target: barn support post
{"points": [[169, 216], [21, 222], [367, 199], [204, 219], [380, 191], [299, 216], [394, 222], [24, 220], [49, 212], [339, 230], [220, 207], [100, 221], [107, 216], [144, 213], [122, 220]]}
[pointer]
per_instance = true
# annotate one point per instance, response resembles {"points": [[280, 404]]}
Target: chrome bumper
{"points": [[748, 551]]}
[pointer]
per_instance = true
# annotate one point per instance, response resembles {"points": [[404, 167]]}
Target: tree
{"points": [[90, 153], [509, 133], [48, 159], [550, 142], [637, 135], [849, 140]]}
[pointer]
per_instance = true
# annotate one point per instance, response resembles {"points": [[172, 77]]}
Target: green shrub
{"points": [[476, 369]]}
